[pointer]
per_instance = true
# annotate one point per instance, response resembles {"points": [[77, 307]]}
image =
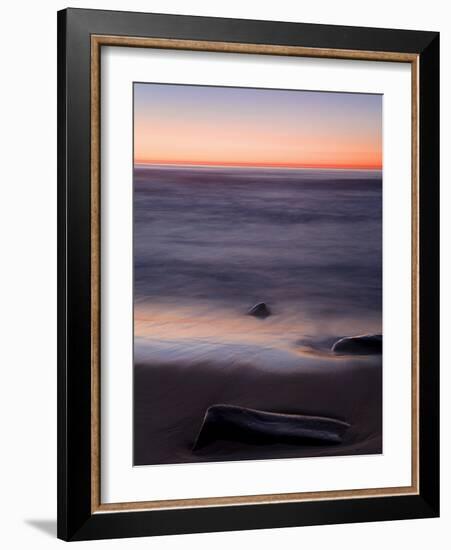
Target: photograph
{"points": [[257, 273]]}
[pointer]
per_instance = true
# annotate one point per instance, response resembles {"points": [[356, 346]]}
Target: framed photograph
{"points": [[248, 274]]}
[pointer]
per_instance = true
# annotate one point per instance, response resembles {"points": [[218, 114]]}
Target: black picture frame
{"points": [[76, 519]]}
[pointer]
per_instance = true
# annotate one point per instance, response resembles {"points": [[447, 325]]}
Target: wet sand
{"points": [[172, 398]]}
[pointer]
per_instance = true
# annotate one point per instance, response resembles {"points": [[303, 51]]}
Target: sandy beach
{"points": [[171, 400]]}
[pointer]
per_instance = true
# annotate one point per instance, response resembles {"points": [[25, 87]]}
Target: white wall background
{"points": [[28, 272]]}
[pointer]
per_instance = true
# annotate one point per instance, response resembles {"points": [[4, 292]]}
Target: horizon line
{"points": [[260, 165]]}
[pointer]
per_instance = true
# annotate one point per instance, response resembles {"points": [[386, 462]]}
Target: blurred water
{"points": [[211, 242]]}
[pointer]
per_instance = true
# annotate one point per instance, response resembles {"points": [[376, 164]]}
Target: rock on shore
{"points": [[367, 344], [260, 310]]}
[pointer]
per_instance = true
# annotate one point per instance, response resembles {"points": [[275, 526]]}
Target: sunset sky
{"points": [[178, 124]]}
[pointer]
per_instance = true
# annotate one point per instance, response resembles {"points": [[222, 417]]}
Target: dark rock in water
{"points": [[368, 344], [252, 426], [260, 310]]}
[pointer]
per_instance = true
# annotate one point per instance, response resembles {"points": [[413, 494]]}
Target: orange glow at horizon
{"points": [[197, 125]]}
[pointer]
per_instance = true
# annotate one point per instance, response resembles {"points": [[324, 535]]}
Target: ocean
{"points": [[213, 242]]}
